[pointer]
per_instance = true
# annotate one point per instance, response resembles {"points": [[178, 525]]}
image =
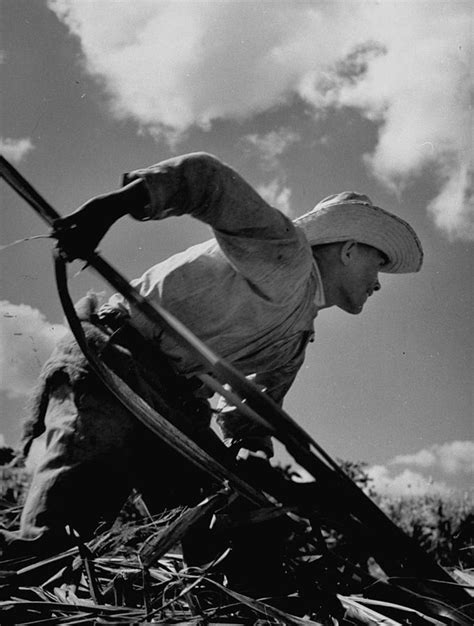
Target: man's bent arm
{"points": [[256, 238], [204, 187]]}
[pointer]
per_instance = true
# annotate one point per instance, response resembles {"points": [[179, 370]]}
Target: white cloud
{"points": [[175, 64], [15, 149], [406, 483], [26, 340], [405, 65], [418, 87], [269, 148], [276, 194], [455, 457], [272, 145], [423, 458], [452, 209]]}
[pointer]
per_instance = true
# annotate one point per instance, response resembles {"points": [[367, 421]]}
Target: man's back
{"points": [[255, 324]]}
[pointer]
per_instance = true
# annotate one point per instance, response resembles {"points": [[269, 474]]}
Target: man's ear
{"points": [[347, 250]]}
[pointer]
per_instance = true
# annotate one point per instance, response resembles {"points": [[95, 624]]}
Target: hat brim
{"points": [[369, 225]]}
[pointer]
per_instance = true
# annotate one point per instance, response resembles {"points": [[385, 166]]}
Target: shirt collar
{"points": [[319, 297]]}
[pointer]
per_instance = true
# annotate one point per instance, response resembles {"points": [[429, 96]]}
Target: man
{"points": [[251, 294]]}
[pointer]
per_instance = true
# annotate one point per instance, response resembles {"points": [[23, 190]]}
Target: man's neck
{"points": [[320, 297], [328, 284]]}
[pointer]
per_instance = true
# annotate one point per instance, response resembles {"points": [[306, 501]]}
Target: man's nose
{"points": [[377, 285]]}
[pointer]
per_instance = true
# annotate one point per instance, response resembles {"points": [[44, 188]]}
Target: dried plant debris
{"points": [[135, 573]]}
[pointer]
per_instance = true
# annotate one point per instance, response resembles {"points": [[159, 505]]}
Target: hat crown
{"points": [[345, 197], [352, 216]]}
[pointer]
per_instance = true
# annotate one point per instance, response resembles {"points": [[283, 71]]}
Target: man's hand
{"points": [[80, 232], [255, 468], [245, 454]]}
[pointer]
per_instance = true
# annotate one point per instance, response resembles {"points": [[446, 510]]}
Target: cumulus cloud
{"points": [[15, 149], [406, 66], [26, 340], [276, 194], [455, 457], [406, 483], [385, 482], [272, 145], [418, 87]]}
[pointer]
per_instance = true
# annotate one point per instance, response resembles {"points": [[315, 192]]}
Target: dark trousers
{"points": [[93, 451]]}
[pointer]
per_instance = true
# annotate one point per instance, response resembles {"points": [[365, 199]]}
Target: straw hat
{"points": [[349, 215]]}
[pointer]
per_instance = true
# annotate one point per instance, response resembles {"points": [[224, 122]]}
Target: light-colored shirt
{"points": [[251, 293]]}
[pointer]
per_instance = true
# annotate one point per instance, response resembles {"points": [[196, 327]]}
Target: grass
{"points": [[442, 526]]}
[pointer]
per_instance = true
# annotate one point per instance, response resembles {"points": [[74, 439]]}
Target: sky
{"points": [[304, 99]]}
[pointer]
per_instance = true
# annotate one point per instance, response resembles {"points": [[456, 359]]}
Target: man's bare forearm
{"points": [[81, 231], [123, 201]]}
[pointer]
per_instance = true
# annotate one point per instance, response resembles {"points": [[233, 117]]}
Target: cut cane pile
{"points": [[134, 573]]}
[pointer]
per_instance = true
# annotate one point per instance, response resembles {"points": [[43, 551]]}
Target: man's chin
{"points": [[352, 308]]}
